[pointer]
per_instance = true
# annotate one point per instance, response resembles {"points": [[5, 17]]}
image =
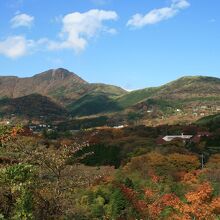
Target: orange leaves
{"points": [[167, 200], [149, 193], [15, 131], [200, 203], [154, 178], [199, 211], [8, 133], [192, 177], [203, 193], [216, 205]]}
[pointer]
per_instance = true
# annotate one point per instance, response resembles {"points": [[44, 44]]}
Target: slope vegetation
{"points": [[32, 106]]}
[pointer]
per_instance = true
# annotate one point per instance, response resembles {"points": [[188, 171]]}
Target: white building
{"points": [[172, 137]]}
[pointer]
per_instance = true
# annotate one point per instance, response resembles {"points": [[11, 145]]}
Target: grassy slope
{"points": [[93, 103], [177, 93], [100, 100], [184, 89], [134, 97], [110, 90], [211, 119]]}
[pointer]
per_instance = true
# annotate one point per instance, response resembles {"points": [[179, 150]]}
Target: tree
{"points": [[134, 117], [18, 184]]}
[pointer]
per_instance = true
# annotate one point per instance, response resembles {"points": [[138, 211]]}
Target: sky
{"points": [[132, 44]]}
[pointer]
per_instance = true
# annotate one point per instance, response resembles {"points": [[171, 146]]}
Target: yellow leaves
{"points": [[155, 159], [162, 165], [214, 162], [183, 162], [144, 162]]}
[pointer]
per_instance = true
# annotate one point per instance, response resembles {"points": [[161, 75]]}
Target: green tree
{"points": [[18, 182], [117, 204]]}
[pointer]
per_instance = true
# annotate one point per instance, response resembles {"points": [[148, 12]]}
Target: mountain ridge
{"points": [[81, 98], [59, 84], [171, 89]]}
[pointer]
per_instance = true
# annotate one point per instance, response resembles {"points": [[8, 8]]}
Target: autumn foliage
{"points": [[38, 181]]}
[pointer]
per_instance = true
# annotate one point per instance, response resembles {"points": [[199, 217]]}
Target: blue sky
{"points": [[133, 44]]}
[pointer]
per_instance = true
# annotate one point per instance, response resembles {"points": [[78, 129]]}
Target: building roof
{"points": [[171, 137]]}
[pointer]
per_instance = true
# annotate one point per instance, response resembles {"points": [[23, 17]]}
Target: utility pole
{"points": [[202, 161]]}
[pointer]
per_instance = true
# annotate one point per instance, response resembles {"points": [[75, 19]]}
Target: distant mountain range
{"points": [[61, 93]]}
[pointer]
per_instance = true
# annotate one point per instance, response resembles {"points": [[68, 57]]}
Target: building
{"points": [[194, 138], [172, 137]]}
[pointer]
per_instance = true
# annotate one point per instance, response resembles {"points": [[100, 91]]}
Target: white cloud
{"points": [[158, 15], [20, 20], [15, 46], [78, 28], [18, 46]]}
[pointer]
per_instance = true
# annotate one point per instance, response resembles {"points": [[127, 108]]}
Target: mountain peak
{"points": [[59, 74]]}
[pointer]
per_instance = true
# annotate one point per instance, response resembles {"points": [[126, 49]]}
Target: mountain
{"points": [[181, 90], [33, 106], [60, 85], [193, 95], [186, 93]]}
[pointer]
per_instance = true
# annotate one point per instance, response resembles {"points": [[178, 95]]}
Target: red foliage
{"points": [[167, 200], [131, 196]]}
